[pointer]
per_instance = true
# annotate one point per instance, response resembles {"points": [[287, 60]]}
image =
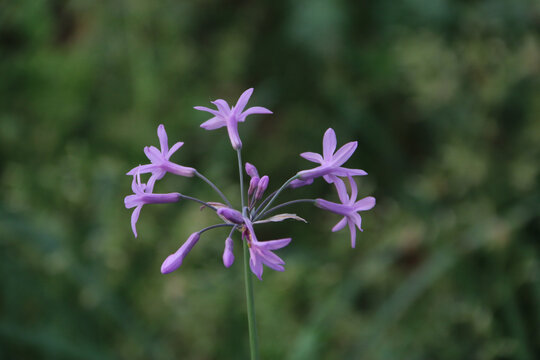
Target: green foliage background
{"points": [[443, 97]]}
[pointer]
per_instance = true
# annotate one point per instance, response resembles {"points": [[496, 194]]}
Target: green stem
{"points": [[201, 176], [267, 212], [283, 187], [252, 325]]}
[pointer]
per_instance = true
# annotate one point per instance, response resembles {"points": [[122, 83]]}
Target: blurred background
{"points": [[443, 97]]}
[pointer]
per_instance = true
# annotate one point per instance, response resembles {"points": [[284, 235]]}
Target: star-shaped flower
{"points": [[331, 160], [261, 251], [230, 117], [160, 159], [143, 195], [349, 207]]}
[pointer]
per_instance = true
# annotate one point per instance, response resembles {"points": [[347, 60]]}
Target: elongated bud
{"points": [[228, 256], [261, 187], [251, 170], [231, 215], [173, 261], [299, 183], [253, 185]]}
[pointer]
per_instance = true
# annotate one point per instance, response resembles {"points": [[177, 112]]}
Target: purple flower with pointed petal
{"points": [[173, 261], [160, 159], [261, 251], [331, 160], [228, 256], [143, 195], [349, 207], [230, 117], [231, 215]]}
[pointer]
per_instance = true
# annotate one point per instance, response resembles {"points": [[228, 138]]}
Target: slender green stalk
{"points": [[201, 176], [252, 324], [283, 187], [214, 227], [197, 200], [285, 204]]}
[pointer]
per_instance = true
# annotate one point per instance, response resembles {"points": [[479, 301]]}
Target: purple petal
{"points": [[357, 219], [342, 190], [143, 169], [222, 106], [134, 218], [364, 204], [213, 123], [231, 215], [153, 154], [131, 201], [242, 101], [344, 153], [173, 262], [174, 148], [204, 108], [311, 156], [341, 171], [353, 233], [274, 244], [254, 110], [354, 189], [232, 128], [228, 256], [270, 258], [251, 170], [255, 264], [329, 143], [340, 225], [163, 141]]}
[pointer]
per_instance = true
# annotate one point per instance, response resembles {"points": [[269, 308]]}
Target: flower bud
{"points": [[299, 183], [251, 170], [253, 185], [228, 256], [173, 261], [231, 215], [261, 187]]}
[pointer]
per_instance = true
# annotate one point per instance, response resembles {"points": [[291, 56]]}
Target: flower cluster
{"points": [[255, 210]]}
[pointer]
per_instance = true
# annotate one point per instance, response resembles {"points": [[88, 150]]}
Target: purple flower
{"points": [[143, 195], [228, 256], [331, 160], [160, 159], [173, 261], [348, 208], [231, 215], [261, 251], [230, 117]]}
